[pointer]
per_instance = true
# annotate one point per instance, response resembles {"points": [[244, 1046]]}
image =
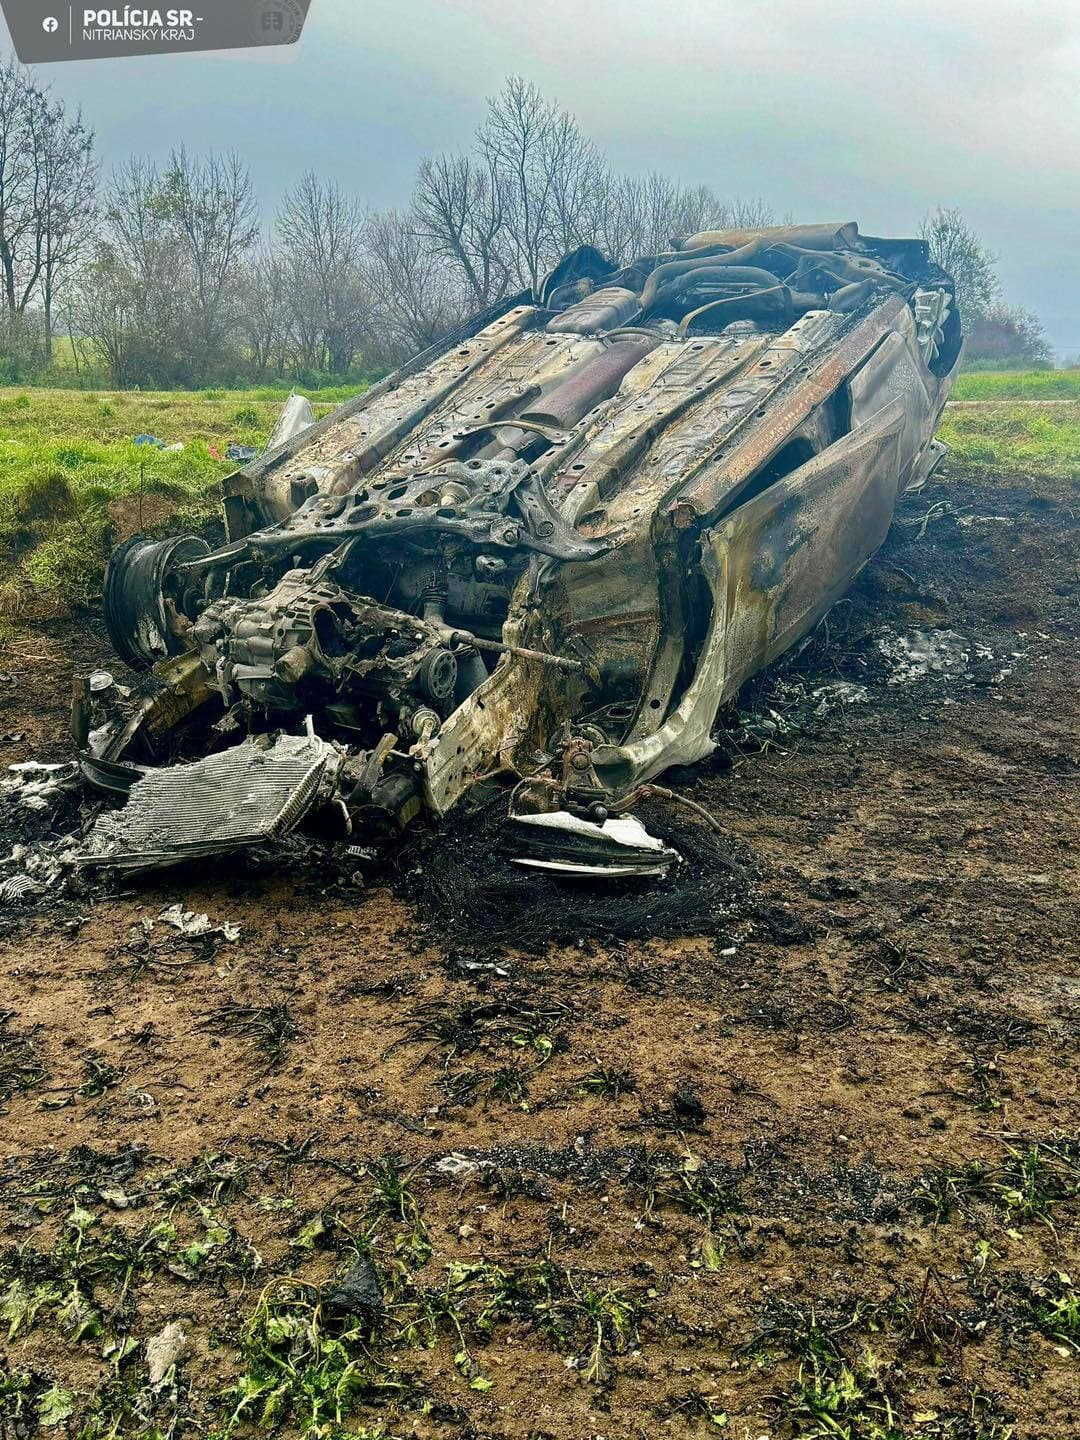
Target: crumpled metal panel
{"points": [[765, 418], [774, 567], [240, 797]]}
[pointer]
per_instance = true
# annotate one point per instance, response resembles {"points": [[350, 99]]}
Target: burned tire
{"points": [[140, 575]]}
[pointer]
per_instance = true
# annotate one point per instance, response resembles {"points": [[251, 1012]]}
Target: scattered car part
{"points": [[296, 415], [18, 887], [586, 517], [618, 847], [36, 784], [197, 925], [165, 1351], [254, 792]]}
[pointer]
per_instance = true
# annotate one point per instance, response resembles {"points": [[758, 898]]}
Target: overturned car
{"points": [[550, 547]]}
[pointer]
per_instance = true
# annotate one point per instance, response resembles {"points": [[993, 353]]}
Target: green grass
{"points": [[1014, 439], [1031, 1179], [1017, 438], [1018, 385], [73, 482], [304, 1362]]}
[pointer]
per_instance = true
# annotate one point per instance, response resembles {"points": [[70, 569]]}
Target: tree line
{"points": [[169, 275]]}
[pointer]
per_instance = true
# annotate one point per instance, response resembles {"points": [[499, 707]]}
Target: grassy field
{"points": [[1010, 437], [1018, 385], [999, 425], [73, 482]]}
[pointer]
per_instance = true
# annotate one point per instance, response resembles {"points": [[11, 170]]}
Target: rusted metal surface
{"points": [[561, 533]]}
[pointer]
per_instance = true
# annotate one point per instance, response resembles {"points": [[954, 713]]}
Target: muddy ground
{"points": [[812, 1170]]}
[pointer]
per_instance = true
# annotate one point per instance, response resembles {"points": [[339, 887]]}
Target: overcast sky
{"points": [[872, 110]]}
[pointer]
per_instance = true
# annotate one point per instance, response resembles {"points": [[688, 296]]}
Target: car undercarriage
{"points": [[548, 549]]}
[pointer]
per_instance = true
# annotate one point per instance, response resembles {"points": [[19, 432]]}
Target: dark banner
{"points": [[44, 31]]}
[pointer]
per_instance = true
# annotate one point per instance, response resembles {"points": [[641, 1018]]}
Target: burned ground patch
{"points": [[809, 1163], [468, 889]]}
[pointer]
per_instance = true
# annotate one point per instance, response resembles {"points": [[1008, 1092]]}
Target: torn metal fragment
{"points": [[559, 841], [197, 924], [296, 415], [19, 887]]}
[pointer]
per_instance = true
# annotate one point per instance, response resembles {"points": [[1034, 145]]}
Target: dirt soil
{"points": [[812, 1169]]}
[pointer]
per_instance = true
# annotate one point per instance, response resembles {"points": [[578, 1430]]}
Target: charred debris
{"points": [[540, 555]]}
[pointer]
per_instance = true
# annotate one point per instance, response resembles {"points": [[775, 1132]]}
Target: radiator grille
{"points": [[250, 793]]}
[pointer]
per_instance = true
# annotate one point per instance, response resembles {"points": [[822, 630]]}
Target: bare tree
{"points": [[461, 211], [578, 175], [535, 187], [414, 300], [212, 207], [16, 175], [303, 317], [150, 264], [47, 185], [644, 213], [264, 310], [66, 179], [167, 267], [647, 214], [99, 308], [322, 236], [546, 172], [1008, 335], [739, 215], [957, 249], [135, 294]]}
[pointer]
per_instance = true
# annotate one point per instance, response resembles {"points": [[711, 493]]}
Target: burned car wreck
{"points": [[548, 548]]}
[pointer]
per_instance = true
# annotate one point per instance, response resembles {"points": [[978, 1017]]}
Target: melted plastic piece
{"points": [[562, 842]]}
